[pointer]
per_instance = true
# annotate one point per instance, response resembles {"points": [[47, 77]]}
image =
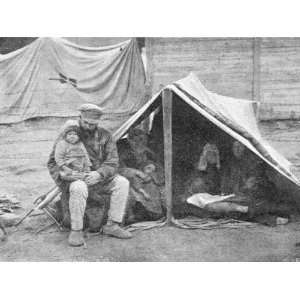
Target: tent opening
{"points": [[190, 132]]}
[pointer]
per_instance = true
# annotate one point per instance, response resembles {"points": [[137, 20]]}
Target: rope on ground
{"points": [[146, 225], [192, 223], [206, 223]]}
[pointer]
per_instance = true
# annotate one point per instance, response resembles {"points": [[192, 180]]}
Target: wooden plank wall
{"points": [[264, 69], [280, 78], [223, 65]]}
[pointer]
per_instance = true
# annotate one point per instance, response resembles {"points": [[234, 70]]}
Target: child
{"points": [[71, 155], [206, 176]]}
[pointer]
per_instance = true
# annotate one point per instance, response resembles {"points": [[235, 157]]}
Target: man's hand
{"points": [[76, 175], [92, 178]]}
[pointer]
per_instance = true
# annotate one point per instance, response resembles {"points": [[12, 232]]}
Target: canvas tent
{"points": [[180, 106], [51, 77]]}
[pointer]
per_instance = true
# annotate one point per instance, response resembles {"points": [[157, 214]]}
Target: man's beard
{"points": [[87, 132], [90, 130]]}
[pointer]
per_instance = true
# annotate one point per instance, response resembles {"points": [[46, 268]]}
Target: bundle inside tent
{"points": [[51, 77], [182, 122]]}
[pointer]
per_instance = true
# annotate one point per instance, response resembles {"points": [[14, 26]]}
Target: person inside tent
{"points": [[102, 179], [138, 163], [207, 170], [239, 166], [205, 180], [245, 176]]}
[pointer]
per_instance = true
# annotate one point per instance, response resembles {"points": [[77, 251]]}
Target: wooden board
{"points": [[280, 78]]}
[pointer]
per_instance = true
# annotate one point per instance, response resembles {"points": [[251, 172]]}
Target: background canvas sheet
{"points": [[52, 77]]}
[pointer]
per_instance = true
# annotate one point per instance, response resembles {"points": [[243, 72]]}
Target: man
{"points": [[102, 178], [240, 166], [245, 176]]}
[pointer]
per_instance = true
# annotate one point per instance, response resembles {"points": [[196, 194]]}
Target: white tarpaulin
{"points": [[52, 77]]}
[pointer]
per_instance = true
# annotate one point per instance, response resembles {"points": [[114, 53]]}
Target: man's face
{"points": [[138, 139], [87, 124], [238, 149]]}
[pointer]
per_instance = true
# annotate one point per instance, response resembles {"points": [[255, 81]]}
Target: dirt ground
{"points": [[23, 155]]}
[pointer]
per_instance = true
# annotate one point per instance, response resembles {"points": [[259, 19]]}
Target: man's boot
{"points": [[76, 238], [114, 229]]}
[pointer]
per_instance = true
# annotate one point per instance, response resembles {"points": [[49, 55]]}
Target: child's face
{"points": [[149, 169], [238, 149], [72, 137], [250, 183], [212, 157]]}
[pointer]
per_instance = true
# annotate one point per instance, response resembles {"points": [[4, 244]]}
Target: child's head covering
{"points": [[70, 125], [208, 151]]}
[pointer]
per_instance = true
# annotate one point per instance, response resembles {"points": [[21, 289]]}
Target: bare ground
{"points": [[23, 155]]}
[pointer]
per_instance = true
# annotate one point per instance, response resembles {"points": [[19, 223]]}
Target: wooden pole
{"points": [[147, 59], [167, 127]]}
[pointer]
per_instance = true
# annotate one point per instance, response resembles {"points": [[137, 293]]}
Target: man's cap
{"points": [[90, 112]]}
